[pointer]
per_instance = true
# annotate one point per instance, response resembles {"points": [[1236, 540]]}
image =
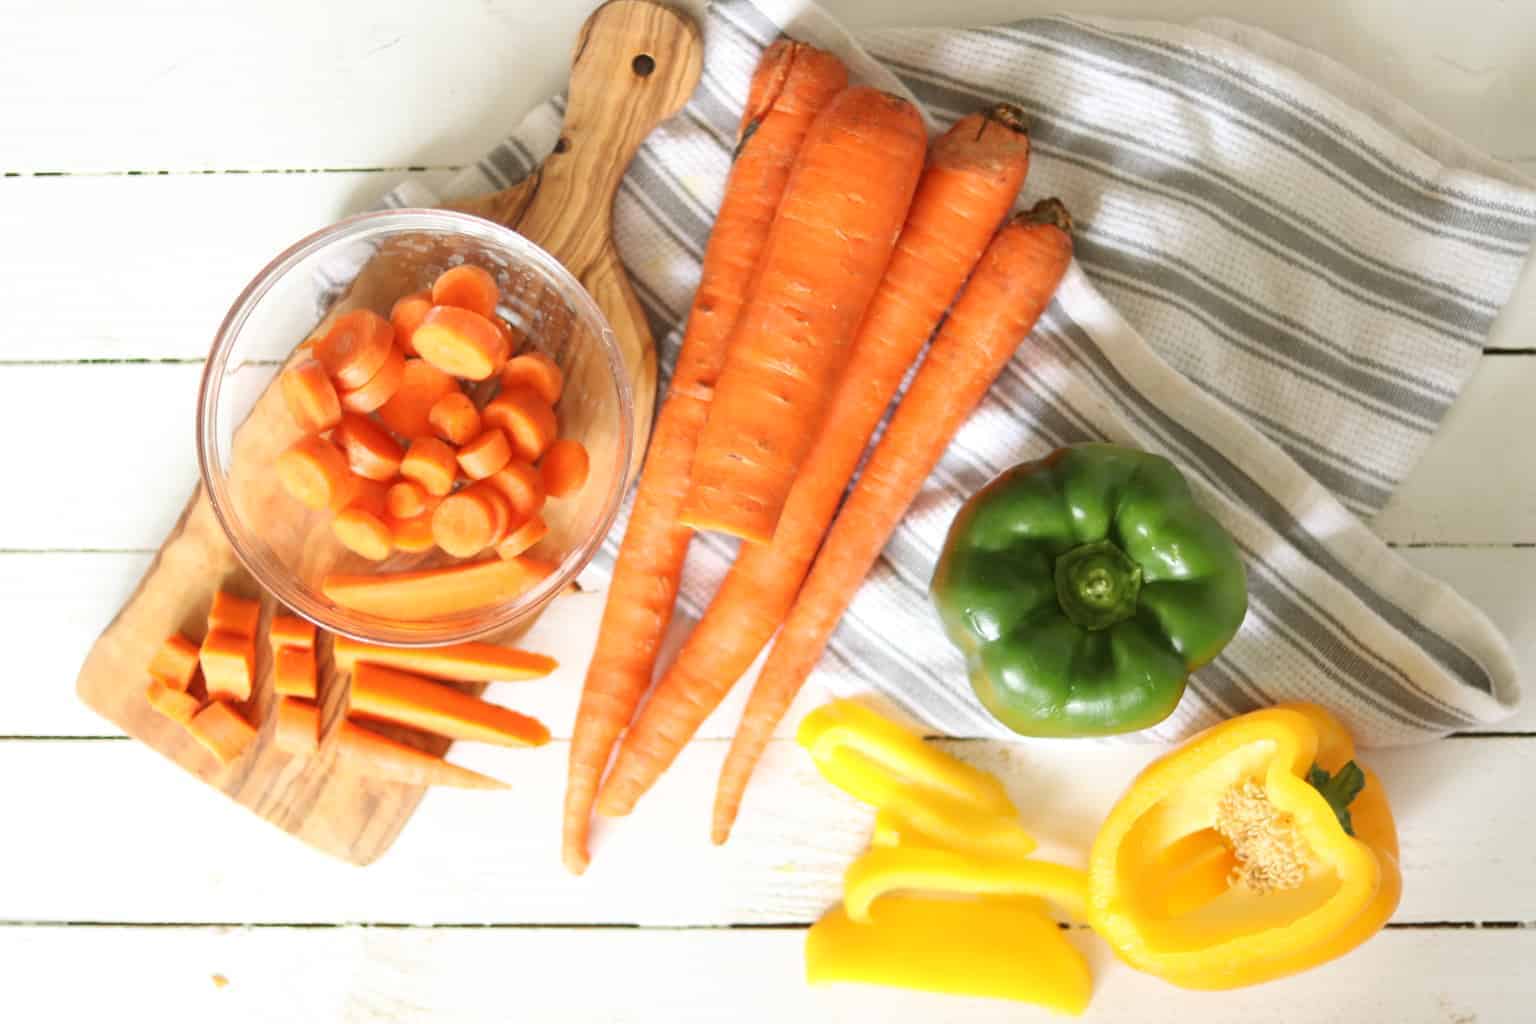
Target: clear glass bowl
{"points": [[370, 261]]}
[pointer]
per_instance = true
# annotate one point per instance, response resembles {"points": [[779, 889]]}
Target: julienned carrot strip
{"points": [[842, 210], [291, 631], [417, 595], [408, 412], [523, 538], [537, 372], [467, 287], [314, 472], [355, 347], [455, 418], [406, 315], [564, 468], [369, 754], [413, 535], [973, 176], [391, 695], [528, 421], [485, 455], [466, 662], [175, 662], [310, 396], [234, 614], [174, 704], [523, 485], [1010, 288], [380, 388], [460, 342], [405, 499], [222, 731], [371, 453], [298, 726], [465, 523], [294, 672], [228, 661], [792, 83], [432, 464]]}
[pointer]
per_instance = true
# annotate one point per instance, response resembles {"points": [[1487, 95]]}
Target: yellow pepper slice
{"points": [[882, 871]]}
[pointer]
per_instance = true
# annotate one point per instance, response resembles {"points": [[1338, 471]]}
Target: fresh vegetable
{"points": [[884, 870], [466, 662], [177, 705], [1004, 297], [455, 418], [432, 464], [824, 257], [467, 287], [564, 468], [222, 731], [973, 175], [422, 386], [234, 614], [465, 523], [363, 526], [355, 348], [1257, 849], [291, 631], [310, 396], [460, 342], [298, 726], [405, 499], [1083, 588], [523, 537], [413, 535], [448, 591], [536, 372], [393, 696], [510, 335], [522, 484], [294, 672], [504, 517], [370, 754], [530, 424], [371, 453], [314, 472], [485, 455], [228, 662], [380, 388], [406, 315], [792, 83], [175, 662]]}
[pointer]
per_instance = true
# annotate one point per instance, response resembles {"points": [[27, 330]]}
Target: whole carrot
{"points": [[832, 237], [791, 84], [1006, 294], [973, 176]]}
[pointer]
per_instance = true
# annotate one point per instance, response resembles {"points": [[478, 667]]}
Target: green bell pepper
{"points": [[1084, 588]]}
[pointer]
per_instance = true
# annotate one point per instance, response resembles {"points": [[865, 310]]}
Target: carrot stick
{"points": [[460, 342], [522, 484], [485, 455], [314, 472], [174, 704], [298, 726], [467, 287], [1004, 297], [564, 468], [973, 176], [454, 418], [367, 753], [229, 664], [408, 411], [791, 85], [291, 631], [433, 592], [390, 695], [466, 662], [432, 464], [175, 663], [528, 421], [355, 347], [380, 388], [371, 453], [831, 239], [406, 315], [523, 538], [234, 614], [465, 523], [536, 371], [310, 396], [294, 672], [222, 731]]}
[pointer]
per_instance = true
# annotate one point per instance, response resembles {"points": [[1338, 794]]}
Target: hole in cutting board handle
{"points": [[643, 65]]}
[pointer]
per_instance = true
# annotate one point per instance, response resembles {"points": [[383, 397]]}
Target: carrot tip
{"points": [[1009, 116], [576, 861], [1049, 211]]}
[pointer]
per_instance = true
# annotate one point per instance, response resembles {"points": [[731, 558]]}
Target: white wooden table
{"points": [[154, 155]]}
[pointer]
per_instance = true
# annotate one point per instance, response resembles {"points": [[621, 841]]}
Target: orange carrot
{"points": [[1004, 297], [564, 468], [389, 695], [465, 523], [363, 526], [234, 614], [421, 386], [405, 499], [455, 418], [523, 538], [355, 347], [222, 731], [433, 592], [537, 372], [504, 517], [792, 83], [174, 704], [291, 631], [413, 535], [842, 210], [485, 455], [973, 175], [371, 453], [522, 484], [467, 287], [528, 421], [432, 464], [298, 726], [228, 661], [460, 342], [406, 315], [294, 672], [466, 662], [314, 473], [310, 396], [509, 334], [380, 388], [175, 663]]}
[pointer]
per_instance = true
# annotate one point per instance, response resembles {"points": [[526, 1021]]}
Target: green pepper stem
{"points": [[1339, 789], [1097, 584]]}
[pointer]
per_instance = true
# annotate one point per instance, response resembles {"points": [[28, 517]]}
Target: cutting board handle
{"points": [[635, 64]]}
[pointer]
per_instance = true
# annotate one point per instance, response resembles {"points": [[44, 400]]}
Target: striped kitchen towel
{"points": [[1283, 281]]}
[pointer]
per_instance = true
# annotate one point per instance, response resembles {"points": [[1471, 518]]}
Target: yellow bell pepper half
{"points": [[1256, 850]]}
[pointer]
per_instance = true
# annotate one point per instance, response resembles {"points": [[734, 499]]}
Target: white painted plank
{"points": [[466, 976], [58, 602], [116, 834]]}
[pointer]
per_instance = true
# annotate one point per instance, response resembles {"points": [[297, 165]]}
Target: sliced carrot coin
{"points": [[381, 387], [310, 396], [529, 421], [432, 464], [371, 453], [406, 316], [485, 455], [355, 347], [505, 519], [314, 472], [524, 537], [175, 663], [467, 287], [511, 335], [414, 535], [535, 371], [523, 485], [421, 385], [405, 499], [364, 533], [564, 468], [465, 523], [455, 419], [460, 342]]}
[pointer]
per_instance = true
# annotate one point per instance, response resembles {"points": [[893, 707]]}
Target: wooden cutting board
{"points": [[635, 64]]}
